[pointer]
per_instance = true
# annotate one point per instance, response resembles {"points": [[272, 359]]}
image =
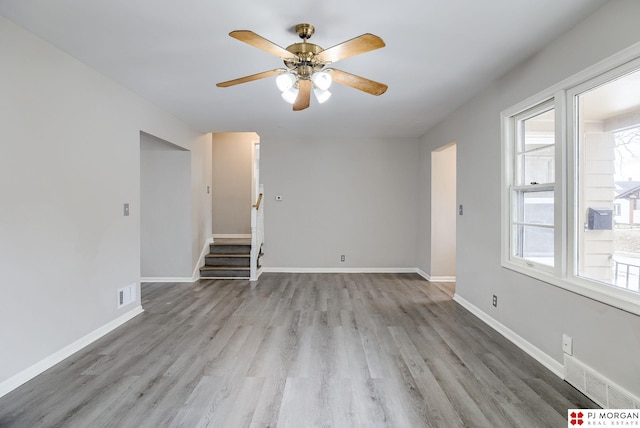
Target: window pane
{"points": [[538, 165], [608, 223], [536, 153], [534, 243], [534, 207]]}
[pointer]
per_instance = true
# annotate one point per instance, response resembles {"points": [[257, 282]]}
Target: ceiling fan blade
{"points": [[361, 44], [357, 82], [260, 42], [304, 96], [251, 78]]}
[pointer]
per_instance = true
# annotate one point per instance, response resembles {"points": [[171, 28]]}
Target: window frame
{"points": [[517, 189], [563, 96], [510, 119]]}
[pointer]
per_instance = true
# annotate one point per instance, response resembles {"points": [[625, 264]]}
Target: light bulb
{"points": [[322, 80], [285, 81], [321, 95], [290, 95]]}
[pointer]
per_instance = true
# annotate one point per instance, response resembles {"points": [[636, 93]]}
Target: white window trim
{"points": [[562, 274], [508, 173], [511, 124]]}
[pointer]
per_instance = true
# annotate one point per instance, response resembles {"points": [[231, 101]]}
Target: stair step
{"points": [[216, 248], [224, 272], [229, 255], [227, 260]]}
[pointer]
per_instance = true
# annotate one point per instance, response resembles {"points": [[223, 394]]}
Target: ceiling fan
{"points": [[305, 64]]}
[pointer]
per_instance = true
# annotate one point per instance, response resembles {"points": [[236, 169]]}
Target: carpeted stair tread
{"points": [[222, 255], [233, 272], [229, 249], [228, 258]]}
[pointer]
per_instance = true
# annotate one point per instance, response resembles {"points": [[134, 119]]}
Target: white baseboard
{"points": [[422, 274], [337, 270], [167, 279], [555, 366], [258, 273], [435, 278], [205, 250], [231, 235], [41, 366], [443, 279]]}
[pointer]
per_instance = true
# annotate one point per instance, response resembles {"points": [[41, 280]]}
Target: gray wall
{"points": [[348, 196], [604, 338], [165, 209], [70, 144]]}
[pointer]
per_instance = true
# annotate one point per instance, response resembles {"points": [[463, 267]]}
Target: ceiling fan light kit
{"points": [[322, 80], [306, 63], [321, 95], [285, 81], [290, 95]]}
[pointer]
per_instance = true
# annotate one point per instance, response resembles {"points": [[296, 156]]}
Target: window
{"points": [[571, 184], [617, 211], [532, 192], [608, 147]]}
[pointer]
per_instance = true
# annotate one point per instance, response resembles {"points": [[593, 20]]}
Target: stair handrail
{"points": [[257, 234], [258, 202]]}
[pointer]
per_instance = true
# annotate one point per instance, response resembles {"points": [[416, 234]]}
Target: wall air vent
{"points": [[127, 295], [596, 386]]}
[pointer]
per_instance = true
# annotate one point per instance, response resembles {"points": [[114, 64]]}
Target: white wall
{"points": [[232, 187], [165, 209], [355, 197], [604, 338], [70, 144]]}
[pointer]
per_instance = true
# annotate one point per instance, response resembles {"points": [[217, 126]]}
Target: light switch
{"points": [[126, 210]]}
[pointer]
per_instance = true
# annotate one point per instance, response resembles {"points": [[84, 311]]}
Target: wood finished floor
{"points": [[297, 350]]}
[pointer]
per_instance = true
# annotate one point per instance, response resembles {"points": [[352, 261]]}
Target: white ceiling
{"points": [[438, 54]]}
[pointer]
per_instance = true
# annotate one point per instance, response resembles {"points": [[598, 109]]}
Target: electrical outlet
{"points": [[342, 258], [567, 344], [460, 209], [495, 301]]}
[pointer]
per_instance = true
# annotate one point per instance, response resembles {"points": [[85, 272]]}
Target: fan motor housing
{"points": [[306, 53]]}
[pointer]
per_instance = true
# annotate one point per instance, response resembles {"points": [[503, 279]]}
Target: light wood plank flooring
{"points": [[297, 350]]}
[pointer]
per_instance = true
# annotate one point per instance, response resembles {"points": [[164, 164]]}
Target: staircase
{"points": [[228, 258], [238, 258]]}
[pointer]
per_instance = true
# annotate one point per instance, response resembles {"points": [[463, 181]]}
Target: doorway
{"points": [[165, 209], [443, 214], [235, 176]]}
